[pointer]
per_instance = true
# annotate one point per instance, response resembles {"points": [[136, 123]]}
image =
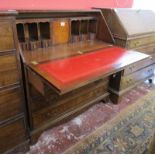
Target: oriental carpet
{"points": [[105, 127], [128, 132]]}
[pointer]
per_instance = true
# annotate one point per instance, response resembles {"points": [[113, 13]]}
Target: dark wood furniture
{"points": [[68, 63], [59, 50], [52, 35], [132, 29], [13, 129]]}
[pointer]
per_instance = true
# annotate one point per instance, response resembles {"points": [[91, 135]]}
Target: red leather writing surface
{"points": [[69, 71]]}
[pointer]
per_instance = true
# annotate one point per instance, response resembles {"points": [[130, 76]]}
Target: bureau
{"points": [[69, 63], [49, 36], [132, 29], [54, 65], [13, 126]]}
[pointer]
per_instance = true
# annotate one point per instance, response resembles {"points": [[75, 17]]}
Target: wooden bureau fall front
{"points": [[65, 61]]}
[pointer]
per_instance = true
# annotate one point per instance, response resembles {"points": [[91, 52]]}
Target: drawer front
{"points": [[6, 36], [60, 31], [140, 75], [134, 43], [137, 66], [148, 49], [60, 106], [8, 62], [40, 101], [9, 78], [12, 134], [10, 103]]}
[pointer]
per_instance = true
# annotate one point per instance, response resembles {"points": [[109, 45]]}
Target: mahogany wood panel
{"points": [[149, 49], [131, 79], [62, 51], [137, 66], [8, 62], [12, 134], [9, 78], [132, 29], [137, 42], [61, 105], [10, 103], [6, 36], [51, 96], [119, 84], [60, 31]]}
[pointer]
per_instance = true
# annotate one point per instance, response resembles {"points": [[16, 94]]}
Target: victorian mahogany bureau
{"points": [[13, 130], [50, 36], [68, 62], [68, 58], [132, 29]]}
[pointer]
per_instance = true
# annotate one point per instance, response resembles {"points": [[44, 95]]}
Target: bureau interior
{"points": [[43, 32], [57, 31]]}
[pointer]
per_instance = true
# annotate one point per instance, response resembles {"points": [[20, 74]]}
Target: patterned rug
{"points": [[129, 132]]}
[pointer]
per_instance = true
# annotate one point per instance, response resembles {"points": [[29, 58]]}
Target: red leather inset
{"points": [[82, 67]]}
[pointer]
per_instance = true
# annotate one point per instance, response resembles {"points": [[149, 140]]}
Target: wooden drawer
{"points": [[134, 43], [6, 36], [60, 105], [9, 78], [8, 62], [12, 134], [148, 49], [40, 90], [140, 75], [10, 103], [137, 66], [34, 45], [60, 31]]}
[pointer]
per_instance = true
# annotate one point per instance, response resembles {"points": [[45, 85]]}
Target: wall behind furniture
{"points": [[61, 4]]}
